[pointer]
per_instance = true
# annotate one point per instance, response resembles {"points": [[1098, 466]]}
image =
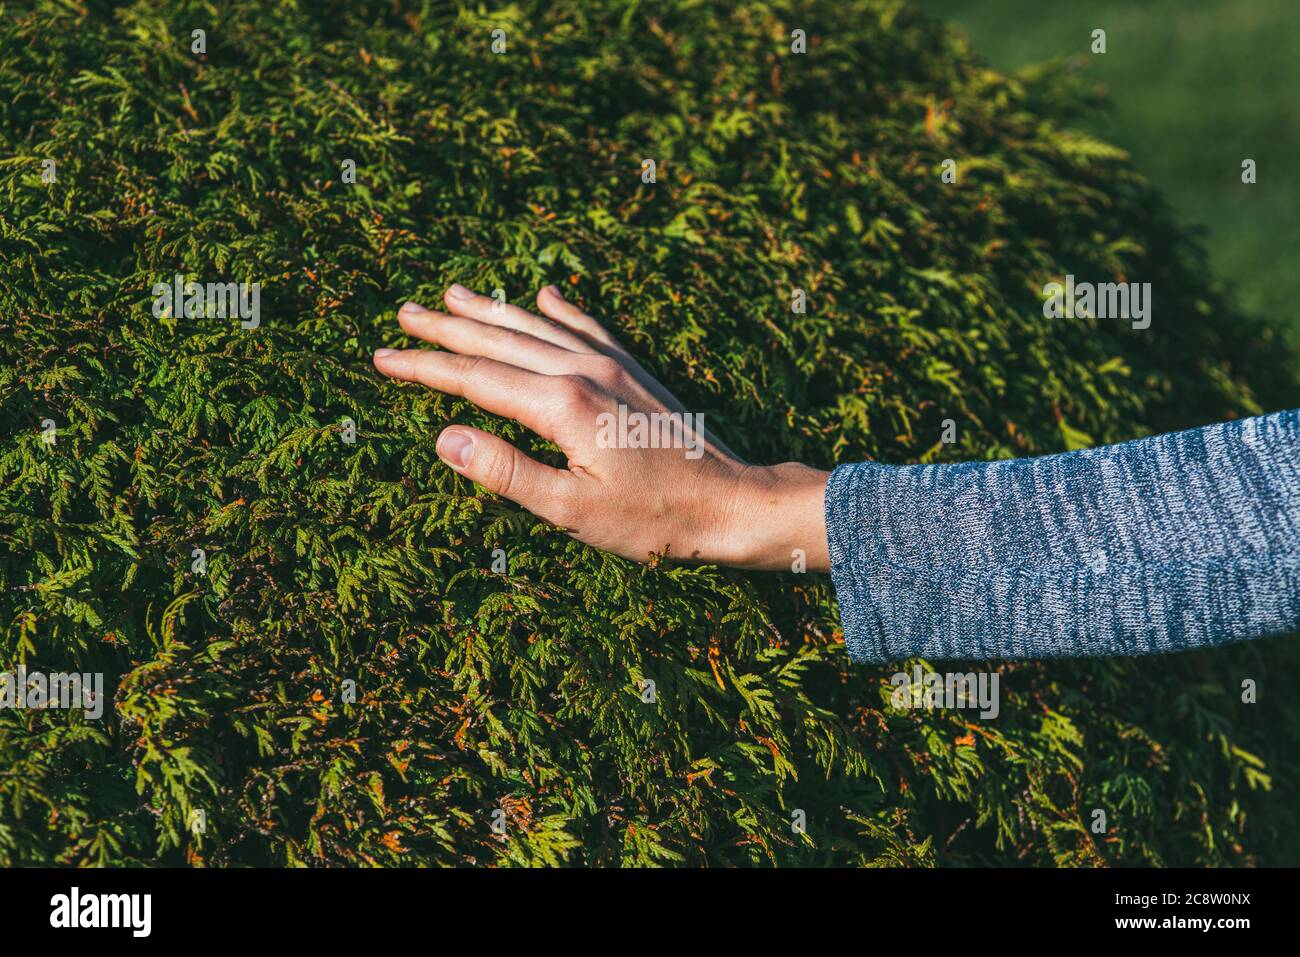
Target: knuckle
{"points": [[604, 369], [553, 327], [502, 474], [573, 392], [564, 509], [466, 365], [507, 336]]}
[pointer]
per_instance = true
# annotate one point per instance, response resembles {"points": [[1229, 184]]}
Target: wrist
{"points": [[779, 519]]}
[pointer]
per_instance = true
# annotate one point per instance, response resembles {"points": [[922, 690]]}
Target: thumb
{"points": [[501, 468]]}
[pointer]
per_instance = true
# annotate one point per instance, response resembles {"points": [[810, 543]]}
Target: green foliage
{"points": [[370, 562], [1224, 72]]}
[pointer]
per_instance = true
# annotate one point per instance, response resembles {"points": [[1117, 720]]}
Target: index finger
{"points": [[541, 402]]}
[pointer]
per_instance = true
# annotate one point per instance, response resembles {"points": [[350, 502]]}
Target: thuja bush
{"points": [[322, 647]]}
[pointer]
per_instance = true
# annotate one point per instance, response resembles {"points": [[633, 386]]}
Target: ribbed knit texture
{"points": [[1177, 541]]}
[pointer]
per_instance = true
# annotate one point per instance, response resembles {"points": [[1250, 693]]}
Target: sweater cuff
{"points": [[855, 504]]}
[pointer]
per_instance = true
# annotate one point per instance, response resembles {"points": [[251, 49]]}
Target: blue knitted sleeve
{"points": [[1177, 541]]}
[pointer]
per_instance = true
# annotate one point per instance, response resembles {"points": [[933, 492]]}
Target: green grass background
{"points": [[1195, 86]]}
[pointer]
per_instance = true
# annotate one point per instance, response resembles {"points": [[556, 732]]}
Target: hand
{"points": [[644, 476]]}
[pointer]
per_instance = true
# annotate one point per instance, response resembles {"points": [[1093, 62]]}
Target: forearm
{"points": [[1176, 541]]}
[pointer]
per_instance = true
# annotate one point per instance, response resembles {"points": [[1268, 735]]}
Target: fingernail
{"points": [[554, 290], [459, 292], [380, 353], [456, 449], [412, 307]]}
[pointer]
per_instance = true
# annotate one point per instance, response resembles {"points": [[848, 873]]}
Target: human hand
{"points": [[644, 475]]}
